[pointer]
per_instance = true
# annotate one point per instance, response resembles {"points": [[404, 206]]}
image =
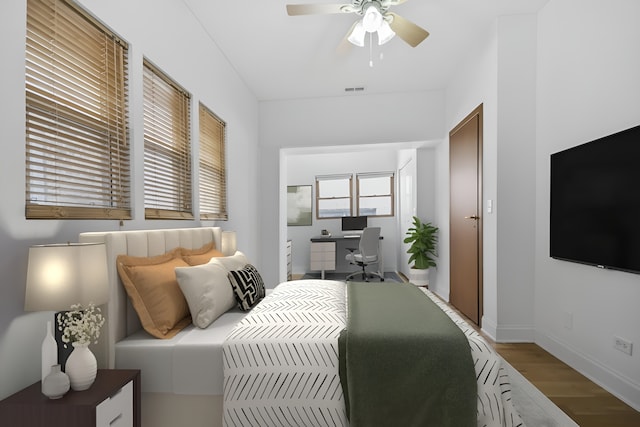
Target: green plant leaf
{"points": [[423, 238]]}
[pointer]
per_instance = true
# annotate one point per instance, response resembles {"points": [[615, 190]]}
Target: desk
{"points": [[328, 253]]}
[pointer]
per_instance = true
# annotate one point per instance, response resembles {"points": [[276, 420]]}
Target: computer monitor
{"points": [[354, 224]]}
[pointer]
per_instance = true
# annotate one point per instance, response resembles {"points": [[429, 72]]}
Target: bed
{"points": [[189, 375]]}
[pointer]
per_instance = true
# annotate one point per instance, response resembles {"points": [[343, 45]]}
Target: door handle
{"points": [[472, 217]]}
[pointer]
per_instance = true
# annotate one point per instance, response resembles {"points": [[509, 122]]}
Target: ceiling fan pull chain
{"points": [[371, 50]]}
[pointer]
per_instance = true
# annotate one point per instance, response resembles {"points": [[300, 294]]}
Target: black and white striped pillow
{"points": [[248, 286]]}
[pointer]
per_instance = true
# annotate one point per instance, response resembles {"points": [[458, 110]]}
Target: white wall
{"points": [[194, 61], [587, 87], [514, 207], [325, 122]]}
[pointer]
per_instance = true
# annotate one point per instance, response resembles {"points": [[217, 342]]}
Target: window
{"points": [[213, 182], [167, 147], [333, 196], [77, 140], [375, 194]]}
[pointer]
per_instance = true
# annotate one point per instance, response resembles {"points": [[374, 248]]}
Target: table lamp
{"points": [[229, 245], [59, 275]]}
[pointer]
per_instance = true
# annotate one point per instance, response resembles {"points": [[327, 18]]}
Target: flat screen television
{"points": [[595, 202], [354, 223]]}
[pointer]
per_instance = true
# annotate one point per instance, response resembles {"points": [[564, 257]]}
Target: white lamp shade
{"points": [[229, 244], [372, 19], [61, 275], [357, 35], [385, 33]]}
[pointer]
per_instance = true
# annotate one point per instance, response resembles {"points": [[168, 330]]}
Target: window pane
{"points": [[334, 188], [213, 186], [374, 186], [167, 147], [332, 208], [375, 194], [77, 139], [375, 206], [333, 196]]}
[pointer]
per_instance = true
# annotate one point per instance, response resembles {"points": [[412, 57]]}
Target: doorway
{"points": [[465, 219]]}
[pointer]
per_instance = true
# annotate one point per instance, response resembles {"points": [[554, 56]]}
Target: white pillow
{"points": [[234, 262], [207, 290]]}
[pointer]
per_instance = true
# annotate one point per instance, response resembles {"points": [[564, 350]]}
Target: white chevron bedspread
{"points": [[281, 362]]}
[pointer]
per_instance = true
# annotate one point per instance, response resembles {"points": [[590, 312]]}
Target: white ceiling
{"points": [[286, 57]]}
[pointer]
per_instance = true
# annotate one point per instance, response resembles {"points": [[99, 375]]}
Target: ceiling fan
{"points": [[376, 18]]}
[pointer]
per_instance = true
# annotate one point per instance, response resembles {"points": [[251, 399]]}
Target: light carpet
{"points": [[536, 410]]}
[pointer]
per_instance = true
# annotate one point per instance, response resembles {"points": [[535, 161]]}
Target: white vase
{"points": [[81, 367], [56, 384], [419, 277], [49, 352]]}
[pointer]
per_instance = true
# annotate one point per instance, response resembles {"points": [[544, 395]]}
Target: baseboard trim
{"points": [[507, 333], [489, 327], [614, 382], [515, 333]]}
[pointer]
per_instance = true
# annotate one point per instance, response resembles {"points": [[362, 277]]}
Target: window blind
{"points": [[77, 138], [213, 181], [167, 147]]}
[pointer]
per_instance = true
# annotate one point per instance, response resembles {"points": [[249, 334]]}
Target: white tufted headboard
{"points": [[121, 319]]}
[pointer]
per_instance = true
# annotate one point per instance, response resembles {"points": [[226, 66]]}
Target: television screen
{"points": [[595, 202], [354, 223]]}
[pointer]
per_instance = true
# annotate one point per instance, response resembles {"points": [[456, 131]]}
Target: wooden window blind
{"points": [[77, 137], [213, 181], [167, 147], [375, 195], [333, 196]]}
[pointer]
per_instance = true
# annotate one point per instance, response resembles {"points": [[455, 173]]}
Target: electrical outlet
{"points": [[623, 345]]}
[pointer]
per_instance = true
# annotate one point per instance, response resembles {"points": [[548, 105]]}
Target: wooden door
{"points": [[465, 221]]}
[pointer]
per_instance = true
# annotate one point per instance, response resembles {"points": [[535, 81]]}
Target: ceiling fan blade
{"points": [[318, 9], [407, 30]]}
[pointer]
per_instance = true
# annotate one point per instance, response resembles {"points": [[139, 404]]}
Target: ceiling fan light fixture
{"points": [[385, 33], [357, 35], [372, 19]]}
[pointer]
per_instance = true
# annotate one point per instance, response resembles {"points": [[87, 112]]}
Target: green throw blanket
{"points": [[403, 362]]}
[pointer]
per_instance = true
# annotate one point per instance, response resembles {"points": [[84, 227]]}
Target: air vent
{"points": [[354, 89]]}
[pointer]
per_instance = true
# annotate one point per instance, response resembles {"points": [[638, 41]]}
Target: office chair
{"points": [[367, 254]]}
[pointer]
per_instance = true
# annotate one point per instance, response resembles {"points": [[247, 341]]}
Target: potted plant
{"points": [[423, 237]]}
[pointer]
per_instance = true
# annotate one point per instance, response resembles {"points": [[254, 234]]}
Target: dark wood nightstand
{"points": [[112, 401]]}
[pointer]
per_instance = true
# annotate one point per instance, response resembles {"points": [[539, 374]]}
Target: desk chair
{"points": [[368, 254]]}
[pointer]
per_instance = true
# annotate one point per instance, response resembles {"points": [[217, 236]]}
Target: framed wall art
{"points": [[299, 205]]}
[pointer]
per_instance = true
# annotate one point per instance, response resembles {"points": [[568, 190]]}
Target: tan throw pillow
{"points": [[154, 292], [207, 290], [202, 255]]}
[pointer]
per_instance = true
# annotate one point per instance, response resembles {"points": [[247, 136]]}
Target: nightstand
{"points": [[112, 401]]}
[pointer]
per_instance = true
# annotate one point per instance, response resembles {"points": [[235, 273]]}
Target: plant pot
{"points": [[419, 277]]}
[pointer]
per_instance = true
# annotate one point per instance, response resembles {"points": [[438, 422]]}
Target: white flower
{"points": [[81, 325]]}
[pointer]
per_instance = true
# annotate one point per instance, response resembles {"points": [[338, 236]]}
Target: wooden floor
{"points": [[586, 403]]}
